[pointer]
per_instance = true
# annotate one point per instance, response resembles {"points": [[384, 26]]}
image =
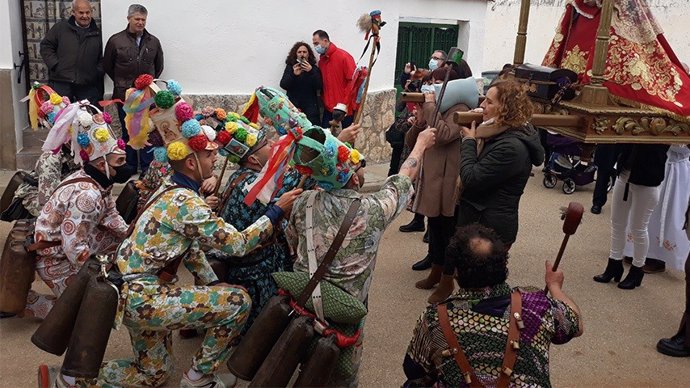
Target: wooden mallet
{"points": [[572, 217]]}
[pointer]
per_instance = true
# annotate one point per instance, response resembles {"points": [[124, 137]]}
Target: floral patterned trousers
{"points": [[153, 310], [57, 274]]}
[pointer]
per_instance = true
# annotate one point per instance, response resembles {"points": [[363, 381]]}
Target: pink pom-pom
{"points": [[121, 144], [84, 155], [107, 118], [65, 100], [184, 112], [46, 107]]}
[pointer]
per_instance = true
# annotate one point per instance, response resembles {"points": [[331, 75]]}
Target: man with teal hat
{"points": [[339, 170]]}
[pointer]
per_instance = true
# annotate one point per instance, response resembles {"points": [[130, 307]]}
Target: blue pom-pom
{"points": [[190, 128], [83, 140], [161, 154], [51, 117], [174, 87], [199, 117]]}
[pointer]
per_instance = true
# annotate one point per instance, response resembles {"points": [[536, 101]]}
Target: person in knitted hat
{"points": [[53, 166], [79, 219], [169, 231], [339, 170]]}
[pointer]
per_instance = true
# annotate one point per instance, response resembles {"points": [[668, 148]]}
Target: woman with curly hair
{"points": [[302, 80], [495, 163]]}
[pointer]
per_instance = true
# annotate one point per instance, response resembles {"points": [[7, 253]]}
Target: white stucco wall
{"points": [[222, 47], [502, 19], [5, 36]]}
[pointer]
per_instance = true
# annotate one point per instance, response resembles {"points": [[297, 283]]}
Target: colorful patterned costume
{"points": [[51, 169], [640, 67], [480, 318], [255, 276], [353, 267], [176, 225], [83, 217], [151, 181]]}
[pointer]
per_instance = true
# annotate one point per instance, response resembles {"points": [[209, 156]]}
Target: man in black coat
{"points": [[72, 52]]}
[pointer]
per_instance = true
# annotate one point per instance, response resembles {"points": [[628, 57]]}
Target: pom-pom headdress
{"points": [[329, 161], [276, 110], [44, 105], [138, 103], [91, 136], [235, 134]]}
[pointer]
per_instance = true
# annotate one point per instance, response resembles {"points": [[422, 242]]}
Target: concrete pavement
{"points": [[621, 327]]}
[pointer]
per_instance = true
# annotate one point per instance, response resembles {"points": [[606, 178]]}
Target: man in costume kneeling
{"points": [[171, 229]]}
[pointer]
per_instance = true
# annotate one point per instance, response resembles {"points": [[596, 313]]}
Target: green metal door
{"points": [[417, 41]]}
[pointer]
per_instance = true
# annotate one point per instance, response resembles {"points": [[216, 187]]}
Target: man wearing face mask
{"points": [[438, 59], [80, 218], [337, 69], [170, 231]]}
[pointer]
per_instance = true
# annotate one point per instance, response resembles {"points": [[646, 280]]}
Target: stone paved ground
{"points": [[621, 327]]}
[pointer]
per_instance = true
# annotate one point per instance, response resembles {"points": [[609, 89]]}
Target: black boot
{"points": [[679, 344], [614, 270], [633, 279], [416, 225], [423, 264]]}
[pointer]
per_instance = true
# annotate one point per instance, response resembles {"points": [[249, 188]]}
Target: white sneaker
{"points": [[50, 377], [224, 380]]}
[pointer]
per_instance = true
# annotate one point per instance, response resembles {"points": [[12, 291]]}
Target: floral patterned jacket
{"points": [[51, 169], [353, 266], [83, 217], [178, 224]]}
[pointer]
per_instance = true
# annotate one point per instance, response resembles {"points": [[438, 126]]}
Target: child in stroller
{"points": [[565, 164]]}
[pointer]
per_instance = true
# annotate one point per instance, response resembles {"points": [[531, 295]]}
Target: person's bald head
{"points": [[81, 10], [479, 255]]}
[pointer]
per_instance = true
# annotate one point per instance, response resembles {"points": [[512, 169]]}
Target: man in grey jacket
{"points": [[128, 54], [72, 52]]}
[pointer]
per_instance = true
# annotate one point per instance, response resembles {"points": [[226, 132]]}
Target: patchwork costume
{"points": [[172, 229], [353, 266], [80, 217], [54, 164], [479, 319]]}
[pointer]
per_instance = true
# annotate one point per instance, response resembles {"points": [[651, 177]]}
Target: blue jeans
{"points": [[135, 158]]}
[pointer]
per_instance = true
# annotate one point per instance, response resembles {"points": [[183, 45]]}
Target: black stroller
{"points": [[565, 165]]}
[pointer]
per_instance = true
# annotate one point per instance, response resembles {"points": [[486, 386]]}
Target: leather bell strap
{"points": [[512, 344], [311, 255], [332, 251]]}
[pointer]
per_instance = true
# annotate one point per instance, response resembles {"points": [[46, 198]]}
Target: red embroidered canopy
{"points": [[641, 67]]}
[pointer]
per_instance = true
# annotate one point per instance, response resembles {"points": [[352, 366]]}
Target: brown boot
{"points": [[431, 280], [444, 289]]}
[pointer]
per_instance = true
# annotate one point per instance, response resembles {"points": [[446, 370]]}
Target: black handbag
{"points": [[12, 208]]}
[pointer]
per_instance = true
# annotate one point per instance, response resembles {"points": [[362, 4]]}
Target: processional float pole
{"points": [[521, 40], [595, 93]]}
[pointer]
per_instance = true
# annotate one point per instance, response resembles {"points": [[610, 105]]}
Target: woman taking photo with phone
{"points": [[302, 80]]}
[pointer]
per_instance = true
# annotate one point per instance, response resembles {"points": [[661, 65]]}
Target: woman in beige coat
{"points": [[437, 185]]}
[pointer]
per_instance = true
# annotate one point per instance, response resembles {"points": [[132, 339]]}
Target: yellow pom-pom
{"points": [[231, 127], [254, 125], [251, 140], [178, 150], [55, 99], [102, 135], [355, 156]]}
